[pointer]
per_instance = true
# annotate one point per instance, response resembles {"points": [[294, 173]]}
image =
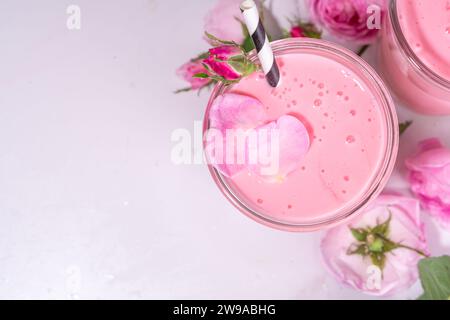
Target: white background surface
{"points": [[91, 205]]}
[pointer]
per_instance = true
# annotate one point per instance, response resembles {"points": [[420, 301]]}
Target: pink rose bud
{"points": [[187, 72], [304, 30], [378, 252], [229, 63], [430, 179], [297, 32], [349, 19]]}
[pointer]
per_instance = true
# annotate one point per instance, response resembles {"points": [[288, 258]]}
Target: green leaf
{"points": [[359, 234], [248, 44], [201, 75], [221, 41], [223, 80], [404, 126], [435, 278]]}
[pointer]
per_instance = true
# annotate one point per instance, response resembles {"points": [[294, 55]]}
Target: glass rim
{"points": [[409, 53], [383, 172]]}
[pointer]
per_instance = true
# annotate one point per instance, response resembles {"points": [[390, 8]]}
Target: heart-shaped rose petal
{"points": [[282, 149], [238, 140]]}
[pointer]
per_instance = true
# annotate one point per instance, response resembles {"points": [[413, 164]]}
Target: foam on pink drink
{"points": [[426, 26], [348, 134]]}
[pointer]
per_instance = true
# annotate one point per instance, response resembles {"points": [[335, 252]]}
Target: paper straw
{"points": [[261, 41]]}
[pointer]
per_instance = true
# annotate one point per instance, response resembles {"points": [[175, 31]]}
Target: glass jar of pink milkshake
{"points": [[414, 54], [352, 130]]}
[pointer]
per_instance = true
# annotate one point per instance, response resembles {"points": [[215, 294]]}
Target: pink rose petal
{"points": [[293, 143], [232, 111], [225, 52]]}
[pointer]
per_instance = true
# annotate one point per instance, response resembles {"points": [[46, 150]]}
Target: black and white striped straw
{"points": [[261, 41]]}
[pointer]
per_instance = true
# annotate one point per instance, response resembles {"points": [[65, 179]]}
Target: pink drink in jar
{"points": [[414, 54], [353, 131]]}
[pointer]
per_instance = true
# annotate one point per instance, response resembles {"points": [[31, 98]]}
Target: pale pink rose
{"points": [[430, 179], [400, 271], [346, 19], [188, 70], [220, 62], [221, 21], [231, 112]]}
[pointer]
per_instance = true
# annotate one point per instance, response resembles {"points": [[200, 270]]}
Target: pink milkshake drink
{"points": [[414, 54], [352, 130]]}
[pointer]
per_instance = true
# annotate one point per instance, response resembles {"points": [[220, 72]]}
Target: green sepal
{"points": [[404, 126], [201, 75], [359, 234]]}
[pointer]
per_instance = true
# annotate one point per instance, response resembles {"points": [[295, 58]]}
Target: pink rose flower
{"points": [[222, 22], [229, 63], [389, 235], [347, 19], [430, 179], [296, 32], [188, 70]]}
